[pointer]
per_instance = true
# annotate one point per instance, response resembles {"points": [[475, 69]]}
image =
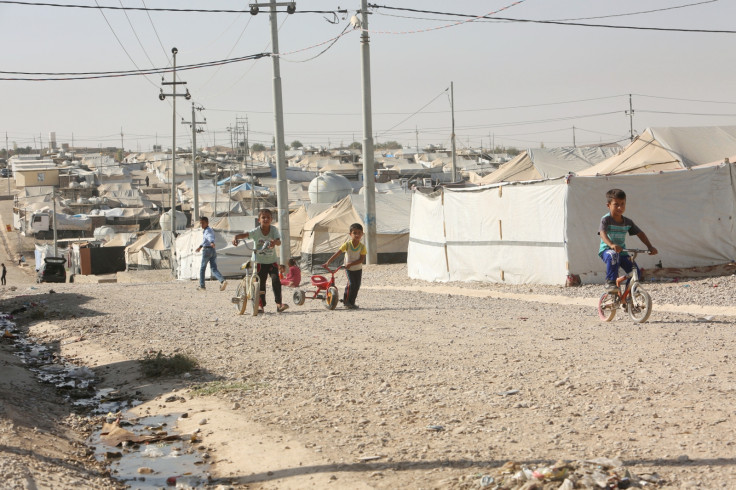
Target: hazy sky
{"points": [[520, 83]]}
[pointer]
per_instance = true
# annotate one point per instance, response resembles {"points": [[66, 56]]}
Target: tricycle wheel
{"points": [[298, 297], [331, 298]]}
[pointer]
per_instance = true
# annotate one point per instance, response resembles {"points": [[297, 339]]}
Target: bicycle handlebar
{"points": [[635, 250], [332, 271]]}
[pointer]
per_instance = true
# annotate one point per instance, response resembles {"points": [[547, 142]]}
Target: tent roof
{"points": [[548, 163], [659, 149]]}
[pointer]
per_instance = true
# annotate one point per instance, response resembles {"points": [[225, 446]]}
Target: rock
{"points": [[203, 422], [145, 470]]}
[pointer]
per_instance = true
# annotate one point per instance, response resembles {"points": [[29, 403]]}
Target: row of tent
{"points": [[655, 150], [316, 232]]}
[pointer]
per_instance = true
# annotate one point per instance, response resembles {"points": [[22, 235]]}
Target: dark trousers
{"points": [[351, 290], [614, 261], [265, 270], [3, 279]]}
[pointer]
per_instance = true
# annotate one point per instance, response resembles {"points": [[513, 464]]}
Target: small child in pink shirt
{"points": [[294, 277]]}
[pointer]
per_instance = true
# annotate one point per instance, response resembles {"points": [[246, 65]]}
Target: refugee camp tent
{"points": [[229, 257], [544, 232], [150, 251], [323, 234], [548, 163], [668, 148]]}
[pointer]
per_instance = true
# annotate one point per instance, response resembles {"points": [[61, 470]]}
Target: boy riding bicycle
{"points": [[613, 230]]}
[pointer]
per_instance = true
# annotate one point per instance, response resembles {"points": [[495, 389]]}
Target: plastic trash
{"points": [[152, 452]]}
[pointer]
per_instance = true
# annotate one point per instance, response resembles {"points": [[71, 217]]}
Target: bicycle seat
{"points": [[319, 281]]}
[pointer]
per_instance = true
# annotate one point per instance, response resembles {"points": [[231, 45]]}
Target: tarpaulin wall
{"points": [[512, 234]]}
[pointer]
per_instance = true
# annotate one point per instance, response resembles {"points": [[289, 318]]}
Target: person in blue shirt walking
{"points": [[209, 255]]}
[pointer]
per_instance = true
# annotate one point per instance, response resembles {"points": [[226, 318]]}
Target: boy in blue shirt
{"points": [[266, 260], [613, 230]]}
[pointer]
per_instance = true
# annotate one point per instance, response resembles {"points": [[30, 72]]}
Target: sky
{"points": [[515, 84]]}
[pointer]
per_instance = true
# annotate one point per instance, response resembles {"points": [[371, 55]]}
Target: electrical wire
{"points": [[685, 100], [415, 112], [122, 46], [136, 35], [674, 7], [166, 55], [331, 41], [146, 9], [124, 73], [473, 18]]}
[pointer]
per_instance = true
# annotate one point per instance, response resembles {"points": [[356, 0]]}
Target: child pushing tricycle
{"points": [[355, 253]]}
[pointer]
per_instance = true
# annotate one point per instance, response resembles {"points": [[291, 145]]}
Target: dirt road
{"points": [[424, 386]]}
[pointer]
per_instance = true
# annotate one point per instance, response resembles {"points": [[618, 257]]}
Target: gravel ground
{"points": [[442, 388]]}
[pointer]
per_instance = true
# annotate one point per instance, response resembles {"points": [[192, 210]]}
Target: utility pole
{"points": [[369, 177], [7, 157], [416, 129], [122, 146], [452, 137], [573, 138], [195, 172], [630, 113], [278, 112], [174, 95], [53, 198]]}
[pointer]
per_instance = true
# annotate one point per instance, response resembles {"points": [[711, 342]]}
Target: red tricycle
{"points": [[326, 290]]}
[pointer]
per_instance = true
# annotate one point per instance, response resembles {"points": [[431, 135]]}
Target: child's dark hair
{"points": [[265, 211], [615, 194], [292, 262], [356, 226]]}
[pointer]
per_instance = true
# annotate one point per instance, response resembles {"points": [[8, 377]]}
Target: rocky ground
{"points": [[427, 385]]}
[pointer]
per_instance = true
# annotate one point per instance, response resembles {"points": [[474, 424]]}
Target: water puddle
{"points": [[167, 459], [142, 452]]}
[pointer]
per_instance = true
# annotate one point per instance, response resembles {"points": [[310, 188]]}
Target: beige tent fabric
{"points": [[670, 148], [297, 219], [519, 169], [643, 155]]}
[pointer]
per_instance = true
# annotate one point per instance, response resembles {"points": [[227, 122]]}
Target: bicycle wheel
{"points": [[640, 306], [298, 297], [331, 298], [239, 299], [253, 302], [607, 307]]}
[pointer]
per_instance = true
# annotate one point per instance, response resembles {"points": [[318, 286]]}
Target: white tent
{"points": [[661, 149], [229, 257], [542, 232], [151, 251], [548, 163], [323, 234]]}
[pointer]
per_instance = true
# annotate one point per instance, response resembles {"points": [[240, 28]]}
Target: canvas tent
{"points": [[323, 234], [548, 163], [542, 232], [151, 251], [662, 149], [229, 257]]}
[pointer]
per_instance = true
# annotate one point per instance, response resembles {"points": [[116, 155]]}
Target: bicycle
{"points": [[248, 294], [633, 298], [326, 290]]}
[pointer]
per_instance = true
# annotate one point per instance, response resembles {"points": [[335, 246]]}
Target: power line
{"points": [[686, 100], [146, 9], [474, 18], [166, 55], [125, 73], [136, 36]]}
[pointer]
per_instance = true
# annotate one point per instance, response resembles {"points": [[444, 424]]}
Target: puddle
{"points": [[155, 464], [138, 462]]}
